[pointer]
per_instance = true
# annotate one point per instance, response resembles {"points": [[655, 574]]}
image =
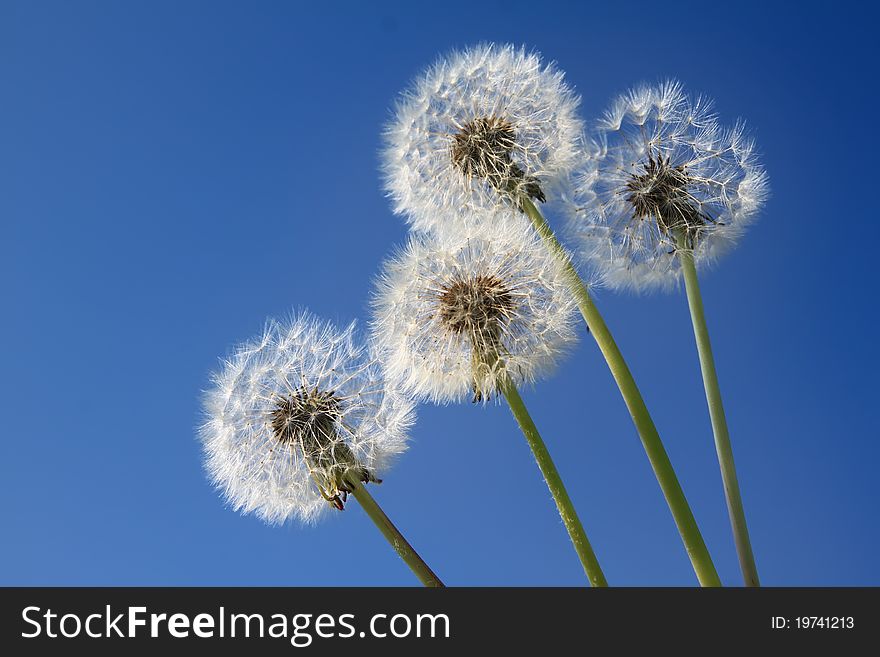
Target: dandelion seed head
{"points": [[483, 127], [660, 167], [455, 311], [295, 413]]}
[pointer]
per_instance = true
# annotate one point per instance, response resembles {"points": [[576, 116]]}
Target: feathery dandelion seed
{"points": [[295, 413], [662, 166], [483, 127], [452, 312]]}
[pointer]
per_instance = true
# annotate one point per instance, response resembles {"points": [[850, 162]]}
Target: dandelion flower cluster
{"points": [[662, 168], [456, 311], [485, 126], [293, 414]]}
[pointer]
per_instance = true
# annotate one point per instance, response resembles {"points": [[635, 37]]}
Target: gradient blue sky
{"points": [[171, 173]]}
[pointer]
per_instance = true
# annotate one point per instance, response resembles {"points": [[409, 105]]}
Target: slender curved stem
{"points": [[404, 550], [666, 477], [716, 414], [554, 483]]}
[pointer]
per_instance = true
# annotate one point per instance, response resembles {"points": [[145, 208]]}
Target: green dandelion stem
{"points": [[554, 483], [716, 414], [404, 550], [666, 477]]}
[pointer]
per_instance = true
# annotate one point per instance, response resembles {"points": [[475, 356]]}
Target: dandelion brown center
{"points": [[478, 307], [662, 192], [483, 148], [308, 419]]}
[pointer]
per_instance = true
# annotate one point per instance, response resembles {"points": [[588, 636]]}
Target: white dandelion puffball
{"points": [[293, 413], [663, 169], [453, 312], [484, 126]]}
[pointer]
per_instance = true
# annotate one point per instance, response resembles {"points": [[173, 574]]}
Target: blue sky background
{"points": [[171, 173]]}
